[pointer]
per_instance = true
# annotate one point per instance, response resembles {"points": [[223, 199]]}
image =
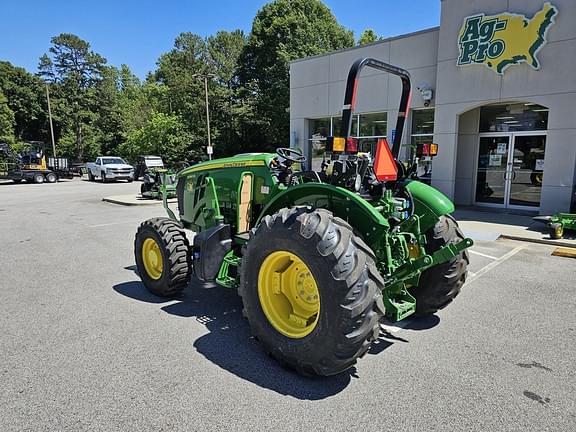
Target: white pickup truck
{"points": [[110, 168]]}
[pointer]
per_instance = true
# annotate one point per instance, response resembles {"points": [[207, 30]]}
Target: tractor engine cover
{"points": [[210, 248]]}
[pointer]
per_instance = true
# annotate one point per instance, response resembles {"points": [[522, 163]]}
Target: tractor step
{"points": [[242, 238], [399, 305], [228, 274]]}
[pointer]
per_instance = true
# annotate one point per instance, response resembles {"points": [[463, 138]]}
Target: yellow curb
{"points": [[565, 252]]}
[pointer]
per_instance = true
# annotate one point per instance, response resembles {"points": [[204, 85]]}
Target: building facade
{"points": [[494, 86]]}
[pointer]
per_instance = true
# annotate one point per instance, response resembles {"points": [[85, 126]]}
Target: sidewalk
{"points": [[484, 225]]}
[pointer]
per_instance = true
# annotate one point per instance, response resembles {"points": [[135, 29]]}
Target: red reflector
{"points": [[351, 145], [384, 164]]}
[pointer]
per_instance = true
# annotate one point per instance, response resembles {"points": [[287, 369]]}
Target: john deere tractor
{"points": [[318, 257]]}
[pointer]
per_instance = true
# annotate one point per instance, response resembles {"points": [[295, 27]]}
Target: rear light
{"points": [[384, 164], [427, 149], [335, 144], [351, 145]]}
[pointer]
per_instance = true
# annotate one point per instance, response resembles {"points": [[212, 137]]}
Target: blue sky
{"points": [[137, 32]]}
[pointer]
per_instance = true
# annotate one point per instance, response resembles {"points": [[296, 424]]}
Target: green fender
{"points": [[429, 203], [347, 205]]}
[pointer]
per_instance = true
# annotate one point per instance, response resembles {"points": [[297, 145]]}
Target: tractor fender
{"points": [[429, 203], [347, 205]]}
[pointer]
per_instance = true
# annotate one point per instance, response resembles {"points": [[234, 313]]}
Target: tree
{"points": [[179, 73], [6, 121], [164, 135], [285, 30], [26, 99], [76, 69], [108, 119], [368, 36], [229, 110]]}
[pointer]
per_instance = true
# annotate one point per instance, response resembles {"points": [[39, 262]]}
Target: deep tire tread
{"points": [[355, 282], [176, 251], [441, 284]]}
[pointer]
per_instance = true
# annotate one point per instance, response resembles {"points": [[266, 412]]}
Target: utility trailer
{"points": [[31, 166]]}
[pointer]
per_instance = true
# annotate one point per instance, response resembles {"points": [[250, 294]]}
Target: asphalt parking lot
{"points": [[83, 347]]}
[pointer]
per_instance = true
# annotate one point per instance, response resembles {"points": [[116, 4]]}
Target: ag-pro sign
{"points": [[499, 41]]}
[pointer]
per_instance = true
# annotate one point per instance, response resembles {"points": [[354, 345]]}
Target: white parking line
{"points": [[396, 327], [483, 254], [110, 224], [495, 263]]}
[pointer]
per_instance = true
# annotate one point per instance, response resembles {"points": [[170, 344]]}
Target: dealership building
{"points": [[494, 86]]}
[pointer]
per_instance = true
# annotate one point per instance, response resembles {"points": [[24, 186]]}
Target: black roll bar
{"points": [[350, 97]]}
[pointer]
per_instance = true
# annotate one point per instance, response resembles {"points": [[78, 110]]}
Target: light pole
{"points": [[51, 127], [205, 77]]}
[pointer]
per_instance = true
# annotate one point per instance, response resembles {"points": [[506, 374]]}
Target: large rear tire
{"points": [[51, 178], [162, 254], [311, 290], [439, 285]]}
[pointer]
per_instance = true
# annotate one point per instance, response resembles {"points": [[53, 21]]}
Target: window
{"points": [[337, 125], [319, 129], [513, 117], [422, 133], [373, 125], [366, 127]]}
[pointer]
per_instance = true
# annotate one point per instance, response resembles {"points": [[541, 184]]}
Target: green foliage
{"points": [[368, 36], [77, 71], [26, 99], [282, 31], [163, 134], [6, 121], [90, 141]]}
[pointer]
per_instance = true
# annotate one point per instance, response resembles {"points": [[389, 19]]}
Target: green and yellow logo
{"points": [[499, 41]]}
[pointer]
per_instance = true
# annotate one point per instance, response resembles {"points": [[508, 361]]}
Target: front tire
{"points": [[439, 285], [162, 254], [322, 258], [38, 178]]}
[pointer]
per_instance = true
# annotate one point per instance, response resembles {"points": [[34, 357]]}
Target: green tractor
{"points": [[557, 223], [157, 183], [317, 257]]}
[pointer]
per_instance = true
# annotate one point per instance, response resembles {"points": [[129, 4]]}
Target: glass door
{"points": [[492, 170], [510, 170], [526, 170]]}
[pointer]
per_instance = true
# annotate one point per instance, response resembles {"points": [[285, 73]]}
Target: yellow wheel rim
{"points": [[288, 294], [152, 258], [559, 231]]}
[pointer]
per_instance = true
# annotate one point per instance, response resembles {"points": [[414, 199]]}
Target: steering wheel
{"points": [[291, 155]]}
